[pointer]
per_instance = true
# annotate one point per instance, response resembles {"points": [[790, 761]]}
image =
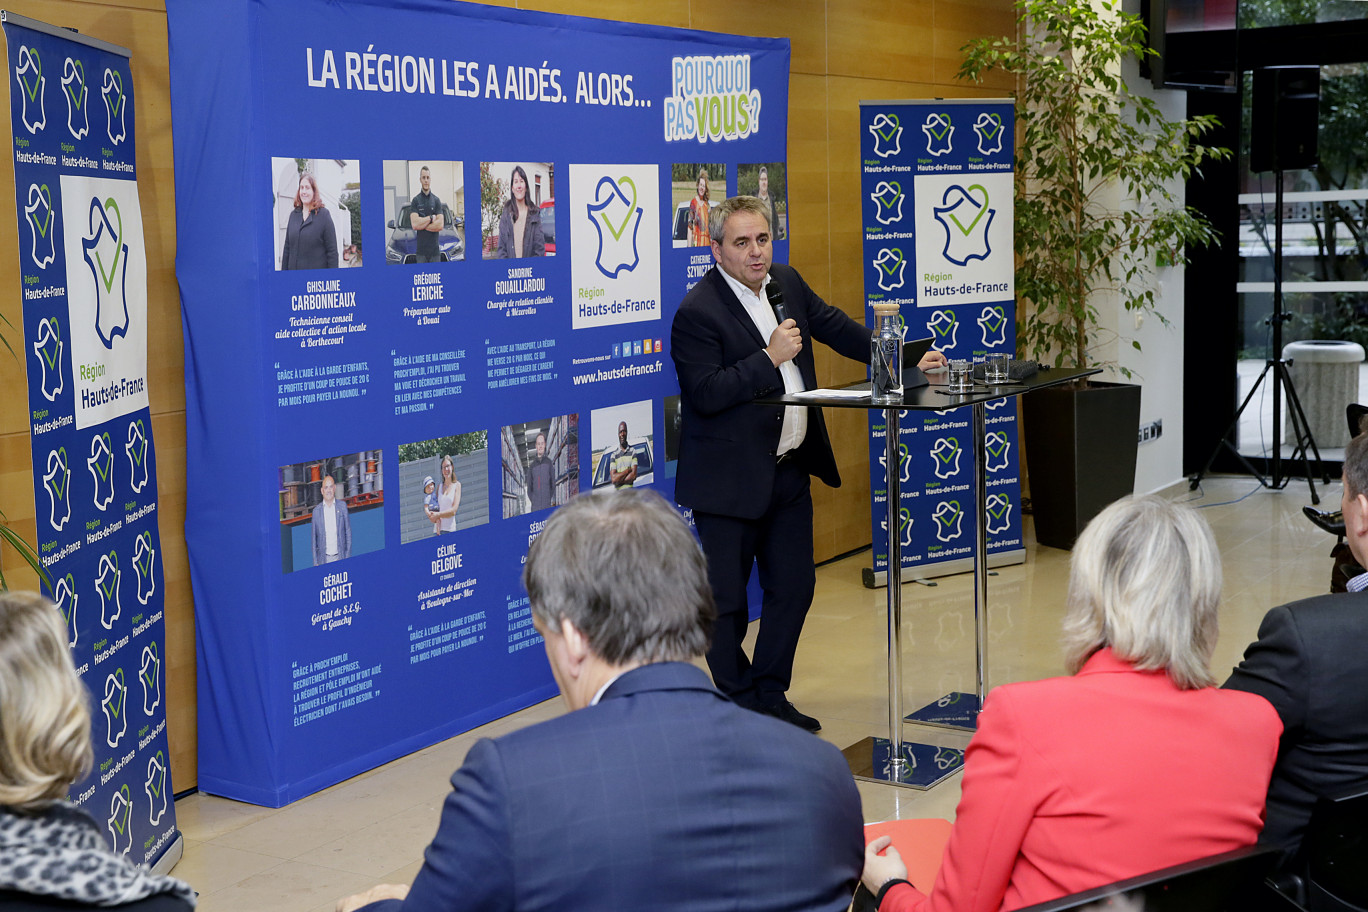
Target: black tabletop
{"points": [[933, 397]]}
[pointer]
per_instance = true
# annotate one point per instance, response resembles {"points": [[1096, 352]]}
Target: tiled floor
{"points": [[373, 828]]}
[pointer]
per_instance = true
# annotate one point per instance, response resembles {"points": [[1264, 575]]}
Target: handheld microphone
{"points": [[776, 299]]}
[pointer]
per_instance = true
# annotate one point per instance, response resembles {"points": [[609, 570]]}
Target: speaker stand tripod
{"points": [[1282, 379]]}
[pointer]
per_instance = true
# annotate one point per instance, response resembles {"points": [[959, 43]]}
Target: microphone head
{"points": [[775, 294]]}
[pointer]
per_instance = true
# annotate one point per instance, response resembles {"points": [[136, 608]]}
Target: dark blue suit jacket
{"points": [[1308, 662], [663, 796], [726, 442]]}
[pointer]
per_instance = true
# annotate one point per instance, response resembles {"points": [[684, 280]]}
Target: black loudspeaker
{"points": [[1286, 114]]}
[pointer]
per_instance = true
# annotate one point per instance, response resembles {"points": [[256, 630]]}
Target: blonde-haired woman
{"points": [[53, 854], [1134, 763]]}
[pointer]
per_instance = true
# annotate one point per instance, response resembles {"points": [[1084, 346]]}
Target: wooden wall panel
{"points": [[842, 51]]}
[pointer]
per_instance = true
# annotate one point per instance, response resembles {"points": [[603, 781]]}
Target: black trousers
{"points": [[780, 544]]}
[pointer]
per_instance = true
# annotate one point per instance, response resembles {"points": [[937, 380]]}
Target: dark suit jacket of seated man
{"points": [[1311, 663], [663, 794]]}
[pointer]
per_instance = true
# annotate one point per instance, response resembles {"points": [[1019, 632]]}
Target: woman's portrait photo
{"points": [[517, 207], [317, 213]]}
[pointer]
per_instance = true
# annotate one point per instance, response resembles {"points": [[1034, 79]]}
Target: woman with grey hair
{"points": [[52, 853], [1133, 763]]}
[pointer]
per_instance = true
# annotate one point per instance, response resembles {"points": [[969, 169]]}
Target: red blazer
{"points": [[1074, 783]]}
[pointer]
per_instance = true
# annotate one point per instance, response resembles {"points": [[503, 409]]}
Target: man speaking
{"points": [[744, 331]]}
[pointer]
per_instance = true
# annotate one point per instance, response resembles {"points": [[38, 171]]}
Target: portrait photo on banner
{"points": [[623, 441], [517, 210], [424, 211], [768, 181], [673, 412], [695, 190], [540, 464], [331, 509], [443, 485], [316, 218]]}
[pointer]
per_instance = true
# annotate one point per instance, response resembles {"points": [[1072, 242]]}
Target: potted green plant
{"points": [[1097, 213]]}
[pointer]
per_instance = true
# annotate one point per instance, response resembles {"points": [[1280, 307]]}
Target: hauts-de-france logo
{"points": [[940, 133], [887, 133], [106, 254], [992, 322], [944, 327], [33, 86], [116, 105], [48, 350], [988, 129], [617, 219], [711, 99], [615, 246], [966, 215], [41, 221], [74, 88], [890, 266], [888, 201]]}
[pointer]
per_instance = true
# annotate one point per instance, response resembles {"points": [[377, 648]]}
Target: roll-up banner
{"points": [[83, 271], [429, 254], [936, 196]]}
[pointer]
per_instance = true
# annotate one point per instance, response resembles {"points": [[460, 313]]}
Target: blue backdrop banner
{"points": [[83, 268], [429, 254], [936, 188]]}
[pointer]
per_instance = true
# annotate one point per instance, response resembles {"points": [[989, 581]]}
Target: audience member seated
{"points": [[53, 855], [655, 791], [1310, 663], [1134, 763]]}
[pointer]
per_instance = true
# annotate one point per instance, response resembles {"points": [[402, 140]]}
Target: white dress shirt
{"points": [[762, 315]]}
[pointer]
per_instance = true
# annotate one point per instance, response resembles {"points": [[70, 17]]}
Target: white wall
{"points": [[1158, 366]]}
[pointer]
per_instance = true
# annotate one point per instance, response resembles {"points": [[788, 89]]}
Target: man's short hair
{"points": [[717, 219], [1356, 465], [424, 168], [625, 570], [1145, 580]]}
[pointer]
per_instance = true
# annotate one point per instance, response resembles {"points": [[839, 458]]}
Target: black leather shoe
{"points": [[789, 713], [1326, 522]]}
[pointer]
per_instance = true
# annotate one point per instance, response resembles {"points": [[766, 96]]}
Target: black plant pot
{"points": [[1080, 451]]}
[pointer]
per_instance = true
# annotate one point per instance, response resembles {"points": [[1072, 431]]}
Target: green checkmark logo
{"points": [[897, 193], [76, 87], [139, 451], [157, 781], [32, 90], [893, 130], [112, 586], [118, 86], [623, 181], [993, 318], [116, 706], [997, 125], [121, 825], [108, 277], [59, 483], [108, 463], [982, 208], [955, 511], [890, 264], [941, 120], [46, 196], [50, 353], [942, 329], [996, 444]]}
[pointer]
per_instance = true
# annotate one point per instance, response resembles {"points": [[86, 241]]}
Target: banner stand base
{"points": [[877, 579], [955, 711], [924, 765], [171, 857]]}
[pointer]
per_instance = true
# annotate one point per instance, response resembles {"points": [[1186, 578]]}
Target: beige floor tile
{"points": [[209, 868], [288, 887], [382, 847]]}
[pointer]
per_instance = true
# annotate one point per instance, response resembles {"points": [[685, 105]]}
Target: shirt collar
{"points": [[740, 290], [1357, 584]]}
